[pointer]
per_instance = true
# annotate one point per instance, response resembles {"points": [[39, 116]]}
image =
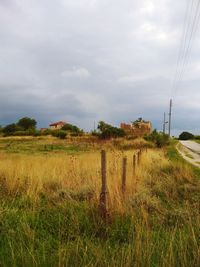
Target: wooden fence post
{"points": [[124, 171], [103, 195], [134, 163], [138, 157]]}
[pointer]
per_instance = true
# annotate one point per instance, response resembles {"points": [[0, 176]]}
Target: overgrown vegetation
{"points": [[107, 131], [49, 208], [72, 129], [25, 126], [159, 139]]}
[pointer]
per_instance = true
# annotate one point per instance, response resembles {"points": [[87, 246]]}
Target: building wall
{"points": [[140, 129], [56, 127]]}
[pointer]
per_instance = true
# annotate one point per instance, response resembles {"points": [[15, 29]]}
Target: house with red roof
{"points": [[57, 125]]}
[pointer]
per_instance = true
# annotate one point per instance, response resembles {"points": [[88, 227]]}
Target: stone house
{"points": [[137, 128]]}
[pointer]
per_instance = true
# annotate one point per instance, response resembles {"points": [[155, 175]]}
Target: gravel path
{"points": [[190, 151], [195, 147]]}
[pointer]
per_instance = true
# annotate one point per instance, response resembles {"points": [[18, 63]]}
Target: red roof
{"points": [[58, 123]]}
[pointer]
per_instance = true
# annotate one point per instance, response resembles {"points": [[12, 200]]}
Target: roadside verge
{"points": [[187, 154]]}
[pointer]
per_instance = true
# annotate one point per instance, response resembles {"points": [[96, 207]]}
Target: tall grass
{"points": [[70, 174], [49, 211]]}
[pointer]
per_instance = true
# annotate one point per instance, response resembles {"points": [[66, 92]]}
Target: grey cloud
{"points": [[86, 60], [44, 109]]}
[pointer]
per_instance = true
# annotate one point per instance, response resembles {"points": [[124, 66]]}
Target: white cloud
{"points": [[134, 78], [148, 8], [77, 72]]}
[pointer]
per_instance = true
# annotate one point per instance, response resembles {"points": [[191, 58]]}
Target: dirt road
{"points": [[190, 151]]}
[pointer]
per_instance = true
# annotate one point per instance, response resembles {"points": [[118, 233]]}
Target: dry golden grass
{"points": [[79, 176]]}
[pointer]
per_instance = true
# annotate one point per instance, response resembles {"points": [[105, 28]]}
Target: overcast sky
{"points": [[88, 60]]}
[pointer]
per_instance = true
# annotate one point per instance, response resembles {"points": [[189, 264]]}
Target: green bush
{"points": [[60, 134], [30, 132], [10, 129], [107, 131], [186, 136], [47, 132], [159, 139], [73, 129]]}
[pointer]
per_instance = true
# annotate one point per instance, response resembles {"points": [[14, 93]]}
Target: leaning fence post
{"points": [[103, 194], [124, 168]]}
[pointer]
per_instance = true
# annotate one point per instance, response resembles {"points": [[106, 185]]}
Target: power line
{"points": [[188, 11], [189, 44], [191, 21]]}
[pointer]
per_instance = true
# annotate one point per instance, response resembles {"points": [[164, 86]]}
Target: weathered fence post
{"points": [[124, 168], [103, 195], [139, 156], [134, 163]]}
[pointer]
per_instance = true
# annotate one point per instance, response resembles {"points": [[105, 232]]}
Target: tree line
{"points": [[28, 126]]}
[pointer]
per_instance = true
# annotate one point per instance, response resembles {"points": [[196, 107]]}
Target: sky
{"points": [[82, 61]]}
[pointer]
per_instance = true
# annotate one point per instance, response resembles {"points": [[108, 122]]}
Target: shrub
{"points": [[95, 133], [46, 132], [108, 131], [159, 139], [186, 136], [60, 134], [10, 129], [30, 132], [73, 129]]}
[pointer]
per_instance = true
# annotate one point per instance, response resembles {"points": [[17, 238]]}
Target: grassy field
{"points": [[49, 215]]}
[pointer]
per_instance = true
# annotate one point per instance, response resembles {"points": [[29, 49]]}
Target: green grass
{"points": [[56, 231], [35, 146], [173, 155], [72, 234]]}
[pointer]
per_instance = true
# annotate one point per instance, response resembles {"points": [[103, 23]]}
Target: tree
{"points": [[186, 136], [9, 129], [71, 128], [27, 123], [107, 131]]}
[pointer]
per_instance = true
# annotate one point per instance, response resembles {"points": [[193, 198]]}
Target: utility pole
{"points": [[164, 123], [170, 117]]}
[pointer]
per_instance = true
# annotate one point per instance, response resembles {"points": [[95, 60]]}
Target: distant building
{"points": [[137, 128], [57, 125]]}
